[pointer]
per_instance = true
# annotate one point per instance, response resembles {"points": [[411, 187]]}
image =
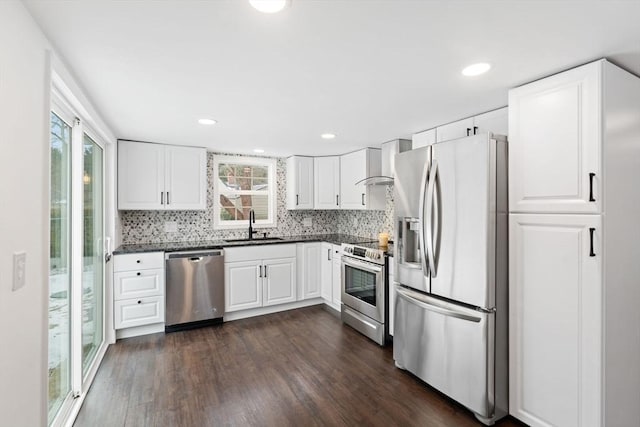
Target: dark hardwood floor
{"points": [[298, 368]]}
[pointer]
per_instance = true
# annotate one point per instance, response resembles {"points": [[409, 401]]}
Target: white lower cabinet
{"points": [[279, 277], [555, 332], [138, 312], [309, 274], [391, 309], [243, 285], [331, 274], [259, 276], [138, 290]]}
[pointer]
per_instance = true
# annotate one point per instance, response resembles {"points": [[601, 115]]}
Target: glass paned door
{"points": [[93, 257], [59, 378]]}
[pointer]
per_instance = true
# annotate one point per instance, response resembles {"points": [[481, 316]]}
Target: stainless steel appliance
{"points": [[364, 291], [194, 288], [451, 260]]}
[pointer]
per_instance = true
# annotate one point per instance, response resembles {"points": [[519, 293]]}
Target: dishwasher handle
{"points": [[194, 256]]}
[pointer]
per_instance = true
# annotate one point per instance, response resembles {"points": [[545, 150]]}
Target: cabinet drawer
{"points": [[137, 284], [140, 261], [139, 312]]}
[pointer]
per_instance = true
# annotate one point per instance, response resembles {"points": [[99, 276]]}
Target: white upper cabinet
{"points": [[326, 182], [423, 139], [554, 143], [186, 178], [496, 121], [455, 130], [140, 175], [354, 167], [161, 177], [300, 182]]}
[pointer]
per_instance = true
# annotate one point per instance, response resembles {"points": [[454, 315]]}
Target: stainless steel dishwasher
{"points": [[194, 289]]}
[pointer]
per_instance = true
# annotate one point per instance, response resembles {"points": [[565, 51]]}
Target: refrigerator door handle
{"points": [[415, 298], [430, 220], [423, 247]]}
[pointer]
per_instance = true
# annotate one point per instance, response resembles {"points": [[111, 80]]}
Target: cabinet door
{"points": [[242, 285], [326, 171], [455, 130], [554, 144], [336, 283], [423, 139], [138, 312], [496, 122], [279, 281], [555, 319], [353, 168], [299, 182], [186, 178], [137, 284], [311, 274], [326, 272], [140, 176]]}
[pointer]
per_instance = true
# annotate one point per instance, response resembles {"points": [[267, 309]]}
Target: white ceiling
{"points": [[367, 70]]}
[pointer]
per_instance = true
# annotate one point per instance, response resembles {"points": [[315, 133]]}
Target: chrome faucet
{"points": [[252, 220]]}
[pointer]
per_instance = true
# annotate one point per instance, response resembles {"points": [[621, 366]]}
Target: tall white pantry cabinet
{"points": [[574, 201]]}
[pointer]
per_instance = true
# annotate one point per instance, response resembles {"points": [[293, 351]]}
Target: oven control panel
{"points": [[367, 254]]}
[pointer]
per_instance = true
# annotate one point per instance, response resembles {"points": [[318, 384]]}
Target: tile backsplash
{"points": [[148, 226]]}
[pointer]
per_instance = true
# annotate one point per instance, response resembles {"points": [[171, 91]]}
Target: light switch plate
{"points": [[307, 222], [170, 227], [19, 270]]}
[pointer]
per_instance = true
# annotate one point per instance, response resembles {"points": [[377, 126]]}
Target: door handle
{"points": [[591, 252], [418, 300], [328, 254], [167, 197], [162, 197], [431, 187], [475, 130], [362, 199], [591, 176], [468, 131], [297, 200], [260, 273], [337, 203], [265, 271], [421, 224]]}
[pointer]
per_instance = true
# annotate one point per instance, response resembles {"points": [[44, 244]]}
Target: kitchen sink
{"points": [[255, 239]]}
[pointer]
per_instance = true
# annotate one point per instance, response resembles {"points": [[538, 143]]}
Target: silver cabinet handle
{"points": [[421, 218], [431, 186]]}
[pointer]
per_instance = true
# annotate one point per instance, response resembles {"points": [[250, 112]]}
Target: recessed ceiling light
{"points": [[269, 6], [207, 122], [476, 69], [327, 136]]}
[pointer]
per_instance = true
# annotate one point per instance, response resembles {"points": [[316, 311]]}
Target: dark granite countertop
{"points": [[335, 239]]}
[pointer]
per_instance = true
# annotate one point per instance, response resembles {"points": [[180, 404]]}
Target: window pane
{"points": [[59, 261], [92, 261]]}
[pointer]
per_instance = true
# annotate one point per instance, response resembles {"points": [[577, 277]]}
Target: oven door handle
{"points": [[363, 265]]}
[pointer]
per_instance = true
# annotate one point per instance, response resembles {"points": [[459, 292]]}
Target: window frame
{"points": [[272, 192]]}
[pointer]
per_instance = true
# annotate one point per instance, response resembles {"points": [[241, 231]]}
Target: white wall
{"points": [[24, 198]]}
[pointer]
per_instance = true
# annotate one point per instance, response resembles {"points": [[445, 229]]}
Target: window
{"points": [[242, 184]]}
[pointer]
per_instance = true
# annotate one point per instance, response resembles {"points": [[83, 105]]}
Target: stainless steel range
{"points": [[365, 291]]}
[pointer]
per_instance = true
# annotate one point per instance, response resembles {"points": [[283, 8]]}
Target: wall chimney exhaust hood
{"points": [[389, 151]]}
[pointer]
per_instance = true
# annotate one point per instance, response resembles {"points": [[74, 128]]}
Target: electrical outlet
{"points": [[307, 222], [19, 269], [170, 227]]}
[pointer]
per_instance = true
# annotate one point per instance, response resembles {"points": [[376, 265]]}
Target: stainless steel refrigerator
{"points": [[451, 270]]}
